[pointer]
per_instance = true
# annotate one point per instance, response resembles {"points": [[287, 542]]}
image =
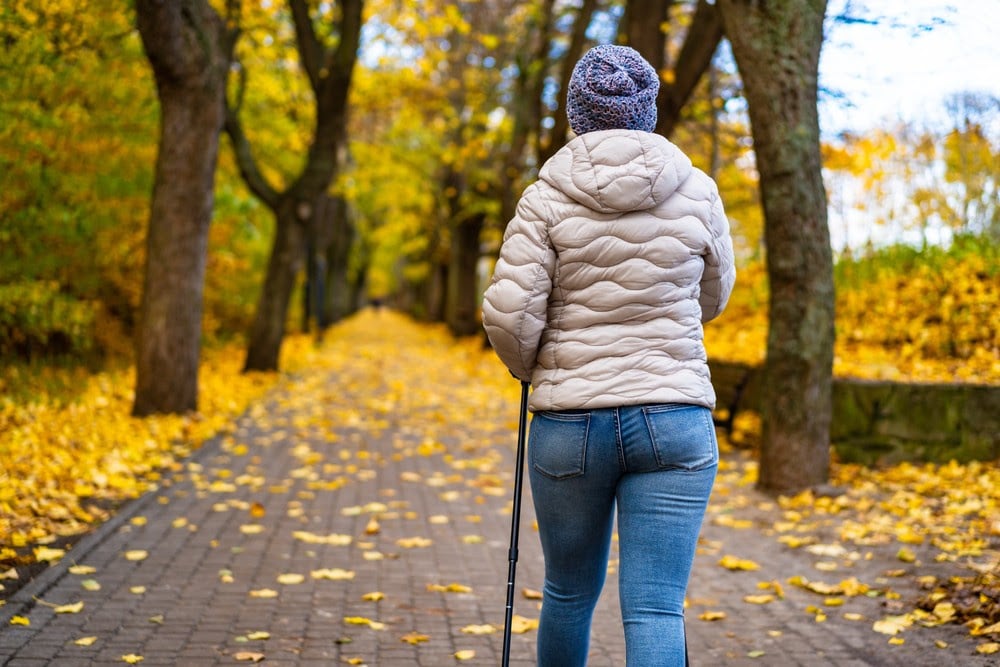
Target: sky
{"points": [[899, 70]]}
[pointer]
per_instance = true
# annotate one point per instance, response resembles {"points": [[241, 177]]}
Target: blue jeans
{"points": [[657, 463]]}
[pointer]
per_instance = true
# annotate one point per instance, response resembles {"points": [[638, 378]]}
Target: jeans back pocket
{"points": [[683, 436], [557, 445]]}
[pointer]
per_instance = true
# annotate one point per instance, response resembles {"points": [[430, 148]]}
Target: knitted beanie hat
{"points": [[612, 87]]}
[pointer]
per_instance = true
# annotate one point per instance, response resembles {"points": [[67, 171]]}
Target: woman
{"points": [[614, 259]]}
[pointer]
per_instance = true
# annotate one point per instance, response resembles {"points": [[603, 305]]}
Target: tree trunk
{"points": [[463, 283], [329, 72], [287, 257], [189, 50], [338, 252], [776, 46], [643, 27]]}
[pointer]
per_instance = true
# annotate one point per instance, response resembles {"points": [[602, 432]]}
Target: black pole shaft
{"points": [[515, 521]]}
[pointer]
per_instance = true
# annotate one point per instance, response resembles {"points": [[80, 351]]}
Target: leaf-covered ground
{"points": [[65, 465]]}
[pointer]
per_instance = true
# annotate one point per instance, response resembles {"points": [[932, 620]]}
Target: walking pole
{"points": [[515, 521]]}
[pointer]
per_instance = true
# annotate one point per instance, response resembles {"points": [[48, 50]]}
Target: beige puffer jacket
{"points": [[614, 259]]}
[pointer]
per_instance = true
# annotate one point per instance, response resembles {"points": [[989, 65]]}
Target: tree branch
{"points": [[248, 166], [557, 137], [334, 82], [342, 59], [702, 39], [310, 50]]}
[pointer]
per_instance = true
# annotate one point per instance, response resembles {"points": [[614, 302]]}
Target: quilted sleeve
{"points": [[515, 303], [720, 266]]}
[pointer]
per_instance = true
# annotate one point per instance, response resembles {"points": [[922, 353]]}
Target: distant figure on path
{"points": [[614, 259]]}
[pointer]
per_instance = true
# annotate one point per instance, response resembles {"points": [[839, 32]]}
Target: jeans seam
{"points": [[619, 446]]}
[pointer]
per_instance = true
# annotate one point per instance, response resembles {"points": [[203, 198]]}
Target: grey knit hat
{"points": [[612, 87]]}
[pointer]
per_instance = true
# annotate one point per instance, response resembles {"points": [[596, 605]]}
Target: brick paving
{"points": [[254, 504]]}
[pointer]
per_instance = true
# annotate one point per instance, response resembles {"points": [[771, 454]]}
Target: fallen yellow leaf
{"points": [[132, 659], [733, 563], [136, 554], [374, 596], [414, 542], [988, 649], [248, 656], [987, 630], [891, 625], [291, 578], [20, 620], [712, 615], [467, 654], [519, 624], [414, 638], [48, 554], [79, 569], [450, 588], [260, 634], [263, 593], [758, 599], [361, 620], [334, 539], [74, 608], [335, 574], [85, 641], [484, 629]]}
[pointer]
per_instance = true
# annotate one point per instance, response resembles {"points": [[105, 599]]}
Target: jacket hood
{"points": [[615, 171]]}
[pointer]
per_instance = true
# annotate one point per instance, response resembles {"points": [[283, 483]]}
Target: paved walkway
{"points": [[367, 491]]}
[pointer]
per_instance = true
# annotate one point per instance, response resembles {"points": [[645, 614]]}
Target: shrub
{"points": [[37, 319]]}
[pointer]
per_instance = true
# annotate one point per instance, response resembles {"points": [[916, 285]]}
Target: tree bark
{"points": [[643, 27], [776, 45], [189, 48], [338, 251], [463, 287], [288, 254]]}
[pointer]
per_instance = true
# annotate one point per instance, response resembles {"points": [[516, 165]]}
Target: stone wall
{"points": [[876, 422]]}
